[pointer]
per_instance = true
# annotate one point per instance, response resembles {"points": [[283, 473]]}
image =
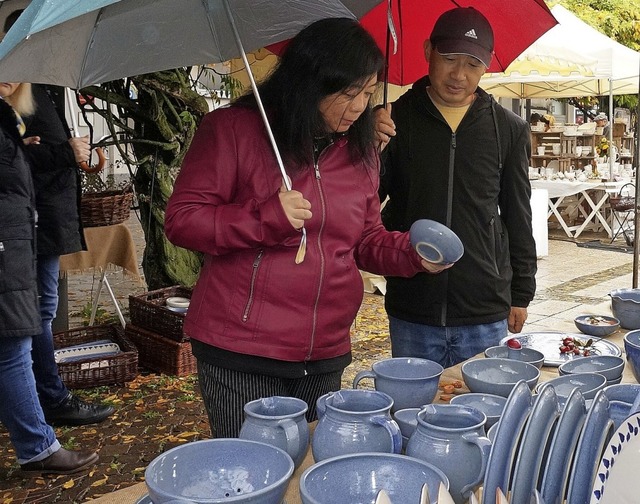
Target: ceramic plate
{"points": [[617, 475], [535, 437], [563, 446], [594, 437], [508, 430], [82, 352], [549, 344]]}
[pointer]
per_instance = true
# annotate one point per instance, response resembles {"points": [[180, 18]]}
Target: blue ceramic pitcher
{"points": [[356, 421]]}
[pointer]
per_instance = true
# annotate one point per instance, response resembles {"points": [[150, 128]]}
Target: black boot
{"points": [[74, 411]]}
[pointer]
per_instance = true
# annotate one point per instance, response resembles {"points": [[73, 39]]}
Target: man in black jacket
{"points": [[457, 157]]}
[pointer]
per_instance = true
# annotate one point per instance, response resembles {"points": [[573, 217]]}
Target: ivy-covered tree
{"points": [[152, 119]]}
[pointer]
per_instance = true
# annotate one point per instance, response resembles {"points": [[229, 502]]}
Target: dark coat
{"points": [[56, 179], [19, 313], [456, 179]]}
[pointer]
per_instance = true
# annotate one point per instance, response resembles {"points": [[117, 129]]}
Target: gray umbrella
{"points": [[76, 43]]}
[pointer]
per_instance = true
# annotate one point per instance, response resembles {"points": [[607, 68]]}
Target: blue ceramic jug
{"points": [[356, 421]]}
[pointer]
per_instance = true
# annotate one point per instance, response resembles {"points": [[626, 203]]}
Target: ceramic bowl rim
{"points": [[395, 456], [573, 375], [222, 441], [562, 369], [607, 329], [498, 360], [439, 369], [633, 344]]}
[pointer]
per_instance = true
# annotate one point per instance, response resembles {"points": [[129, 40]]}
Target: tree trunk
{"points": [[152, 119]]}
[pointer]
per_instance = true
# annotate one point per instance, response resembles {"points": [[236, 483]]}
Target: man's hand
{"points": [[32, 140], [517, 318], [295, 207], [434, 268], [384, 126]]}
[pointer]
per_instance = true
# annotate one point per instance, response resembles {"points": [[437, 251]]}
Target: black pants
{"points": [[225, 392]]}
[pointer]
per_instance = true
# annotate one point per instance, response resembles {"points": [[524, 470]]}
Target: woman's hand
{"points": [[384, 126], [295, 207], [81, 148]]}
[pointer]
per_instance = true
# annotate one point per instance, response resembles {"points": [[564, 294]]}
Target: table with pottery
{"points": [[543, 417]]}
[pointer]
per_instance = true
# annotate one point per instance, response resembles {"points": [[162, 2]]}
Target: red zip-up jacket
{"points": [[251, 297]]}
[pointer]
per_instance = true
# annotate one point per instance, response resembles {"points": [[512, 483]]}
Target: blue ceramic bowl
{"points": [[610, 366], [407, 420], [435, 242], [530, 355], [632, 349], [625, 305], [491, 405], [587, 383], [220, 471], [498, 376], [625, 392], [597, 325], [348, 479]]}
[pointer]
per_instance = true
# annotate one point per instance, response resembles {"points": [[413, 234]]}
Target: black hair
{"points": [[535, 117], [326, 57]]}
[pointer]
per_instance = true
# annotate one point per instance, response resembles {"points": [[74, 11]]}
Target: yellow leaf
{"points": [[100, 482], [188, 434], [69, 484]]}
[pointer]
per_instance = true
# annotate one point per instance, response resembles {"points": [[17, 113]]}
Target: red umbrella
{"points": [[516, 25]]}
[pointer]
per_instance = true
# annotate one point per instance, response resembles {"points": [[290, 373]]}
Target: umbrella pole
{"points": [[636, 220], [287, 182]]}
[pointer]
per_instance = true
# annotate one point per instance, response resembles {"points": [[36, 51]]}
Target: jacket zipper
{"points": [[252, 286], [316, 168], [494, 237], [445, 290]]}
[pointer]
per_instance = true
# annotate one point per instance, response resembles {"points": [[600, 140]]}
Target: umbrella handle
{"points": [[84, 166]]}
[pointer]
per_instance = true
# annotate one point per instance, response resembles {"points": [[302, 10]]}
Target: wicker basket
{"points": [[105, 208], [160, 354], [93, 372], [622, 203], [148, 311]]}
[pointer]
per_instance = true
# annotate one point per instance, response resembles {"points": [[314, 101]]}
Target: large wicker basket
{"points": [[149, 311], [106, 208], [160, 354], [96, 371]]}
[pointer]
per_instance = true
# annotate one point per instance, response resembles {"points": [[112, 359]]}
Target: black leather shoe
{"points": [[74, 411], [62, 462]]}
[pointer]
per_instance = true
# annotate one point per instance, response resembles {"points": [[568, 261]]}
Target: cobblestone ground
{"points": [[156, 412]]}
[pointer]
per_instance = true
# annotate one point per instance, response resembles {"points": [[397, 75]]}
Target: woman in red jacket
{"points": [[260, 324]]}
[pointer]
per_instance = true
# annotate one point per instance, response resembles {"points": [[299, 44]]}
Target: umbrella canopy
{"points": [[593, 63], [516, 24], [77, 43]]}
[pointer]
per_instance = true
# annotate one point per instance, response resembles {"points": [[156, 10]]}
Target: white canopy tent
{"points": [[571, 59]]}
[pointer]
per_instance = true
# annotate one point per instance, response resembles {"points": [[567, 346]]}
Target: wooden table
{"points": [[131, 494]]}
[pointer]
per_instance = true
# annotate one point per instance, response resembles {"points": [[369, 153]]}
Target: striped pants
{"points": [[226, 391]]}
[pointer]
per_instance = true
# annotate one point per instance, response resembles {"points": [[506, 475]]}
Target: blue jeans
{"points": [[445, 345], [20, 410], [49, 385]]}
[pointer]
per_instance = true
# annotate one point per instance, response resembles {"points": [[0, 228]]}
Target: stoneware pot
{"points": [[278, 421], [625, 305], [452, 438], [411, 382], [356, 421]]}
